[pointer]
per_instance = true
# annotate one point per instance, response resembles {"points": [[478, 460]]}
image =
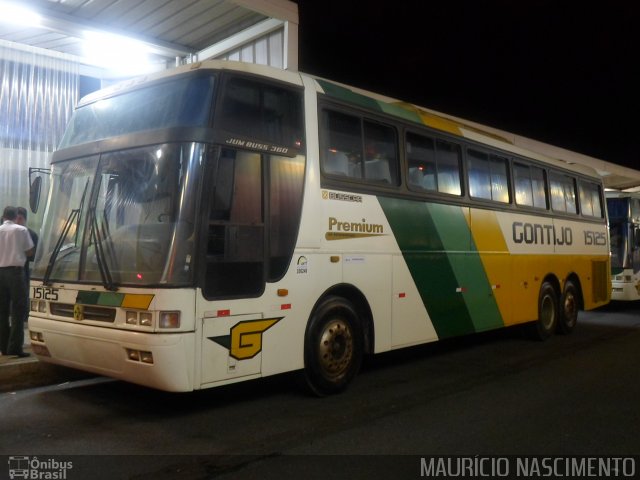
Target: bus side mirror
{"points": [[34, 194], [35, 187], [636, 238]]}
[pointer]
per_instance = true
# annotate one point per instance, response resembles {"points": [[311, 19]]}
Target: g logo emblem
{"points": [[246, 337], [78, 311]]}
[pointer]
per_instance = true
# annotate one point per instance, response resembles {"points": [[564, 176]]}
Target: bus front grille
{"points": [[86, 312]]}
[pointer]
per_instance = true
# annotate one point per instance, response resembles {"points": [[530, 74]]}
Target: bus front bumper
{"points": [[624, 291], [162, 361]]}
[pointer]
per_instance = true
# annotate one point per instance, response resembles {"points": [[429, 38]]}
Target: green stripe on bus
{"points": [[350, 96], [430, 263], [467, 266], [87, 298], [479, 297], [347, 95], [110, 299], [436, 243], [401, 112]]}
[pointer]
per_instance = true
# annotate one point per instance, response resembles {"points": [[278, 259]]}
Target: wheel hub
{"points": [[547, 312], [336, 348]]}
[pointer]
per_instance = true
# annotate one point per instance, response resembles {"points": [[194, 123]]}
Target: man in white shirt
{"points": [[15, 246]]}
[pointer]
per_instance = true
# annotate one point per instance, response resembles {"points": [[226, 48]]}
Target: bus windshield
{"points": [[176, 103], [618, 241], [124, 217]]}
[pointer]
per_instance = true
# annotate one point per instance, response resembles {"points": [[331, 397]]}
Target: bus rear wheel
{"points": [[333, 347], [544, 327], [569, 305]]}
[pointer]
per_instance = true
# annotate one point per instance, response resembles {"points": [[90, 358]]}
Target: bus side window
{"points": [[359, 149], [590, 199], [563, 193], [499, 179], [433, 165], [381, 159], [479, 174], [488, 176], [539, 188], [522, 185], [529, 186], [343, 140], [421, 159], [448, 157]]}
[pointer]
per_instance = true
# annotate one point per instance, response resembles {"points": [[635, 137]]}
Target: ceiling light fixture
{"points": [[122, 56], [18, 15]]}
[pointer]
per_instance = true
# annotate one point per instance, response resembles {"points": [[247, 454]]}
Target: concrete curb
{"points": [[22, 373]]}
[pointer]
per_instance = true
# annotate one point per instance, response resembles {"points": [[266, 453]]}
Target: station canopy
{"points": [[168, 31]]}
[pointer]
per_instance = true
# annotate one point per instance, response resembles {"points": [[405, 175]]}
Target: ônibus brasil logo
{"points": [[38, 469]]}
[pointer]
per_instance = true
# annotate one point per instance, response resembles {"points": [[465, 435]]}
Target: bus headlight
{"points": [[132, 318], [146, 319], [38, 306], [169, 320]]}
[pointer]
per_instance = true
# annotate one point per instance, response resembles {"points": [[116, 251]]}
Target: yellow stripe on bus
{"points": [[138, 301], [495, 258], [516, 279]]}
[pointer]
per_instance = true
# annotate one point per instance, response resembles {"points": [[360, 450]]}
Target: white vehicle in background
{"points": [[624, 234]]}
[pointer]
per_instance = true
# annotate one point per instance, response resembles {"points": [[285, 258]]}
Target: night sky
{"points": [[557, 71]]}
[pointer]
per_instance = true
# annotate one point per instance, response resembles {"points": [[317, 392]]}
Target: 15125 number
{"points": [[45, 293]]}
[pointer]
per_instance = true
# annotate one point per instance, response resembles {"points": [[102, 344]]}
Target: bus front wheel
{"points": [[544, 327], [333, 347], [568, 308]]}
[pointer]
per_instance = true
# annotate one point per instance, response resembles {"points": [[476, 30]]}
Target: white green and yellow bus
{"points": [[222, 222], [624, 236]]}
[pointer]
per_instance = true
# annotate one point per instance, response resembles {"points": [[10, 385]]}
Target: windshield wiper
{"points": [[80, 207], [59, 244], [75, 214], [96, 237]]}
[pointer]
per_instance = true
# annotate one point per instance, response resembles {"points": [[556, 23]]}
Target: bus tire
{"points": [[333, 347], [569, 305], [544, 327]]}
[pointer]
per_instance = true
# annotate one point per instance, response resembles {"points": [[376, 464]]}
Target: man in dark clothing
{"points": [[21, 219], [15, 246]]}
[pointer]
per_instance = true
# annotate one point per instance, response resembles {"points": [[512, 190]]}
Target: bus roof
{"points": [[131, 84], [483, 134], [456, 126]]}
